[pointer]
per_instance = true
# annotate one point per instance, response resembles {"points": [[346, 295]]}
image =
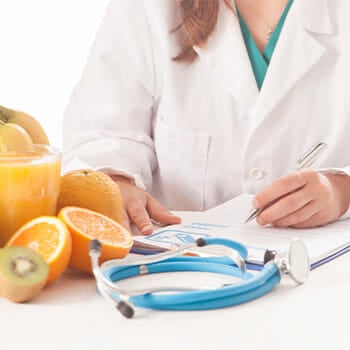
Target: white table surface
{"points": [[69, 314]]}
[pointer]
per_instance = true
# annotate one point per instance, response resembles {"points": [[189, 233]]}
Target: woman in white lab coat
{"points": [[171, 106]]}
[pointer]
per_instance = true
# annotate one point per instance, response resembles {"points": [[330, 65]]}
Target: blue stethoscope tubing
{"points": [[250, 287]]}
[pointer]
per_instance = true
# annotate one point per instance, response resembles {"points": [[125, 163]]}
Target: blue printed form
{"points": [[227, 221]]}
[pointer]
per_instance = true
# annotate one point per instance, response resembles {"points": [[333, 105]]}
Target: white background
{"points": [[43, 48], [44, 45]]}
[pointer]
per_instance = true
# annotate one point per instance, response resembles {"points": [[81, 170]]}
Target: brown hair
{"points": [[199, 18]]}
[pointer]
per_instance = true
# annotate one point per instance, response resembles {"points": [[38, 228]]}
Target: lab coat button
{"points": [[257, 173]]}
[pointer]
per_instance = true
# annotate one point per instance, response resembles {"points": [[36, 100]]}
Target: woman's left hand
{"points": [[307, 199]]}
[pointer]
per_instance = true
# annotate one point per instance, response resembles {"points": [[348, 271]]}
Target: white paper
{"points": [[227, 221]]}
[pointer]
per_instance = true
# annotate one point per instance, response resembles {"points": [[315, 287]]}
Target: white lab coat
{"points": [[196, 135]]}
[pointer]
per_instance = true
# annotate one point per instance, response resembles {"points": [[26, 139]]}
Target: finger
{"points": [[285, 206], [280, 188], [126, 221], [139, 216], [301, 215], [319, 219], [160, 214]]}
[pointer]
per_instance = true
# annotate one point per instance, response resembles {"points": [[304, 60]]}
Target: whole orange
{"points": [[94, 190]]}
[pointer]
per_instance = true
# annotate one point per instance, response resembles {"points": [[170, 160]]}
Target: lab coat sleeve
{"points": [[335, 171], [338, 171], [107, 123]]}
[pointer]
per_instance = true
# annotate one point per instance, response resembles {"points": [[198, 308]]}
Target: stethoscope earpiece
{"points": [[269, 255], [201, 242], [125, 309], [95, 246]]}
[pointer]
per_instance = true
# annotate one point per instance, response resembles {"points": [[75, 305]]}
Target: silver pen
{"points": [[304, 162]]}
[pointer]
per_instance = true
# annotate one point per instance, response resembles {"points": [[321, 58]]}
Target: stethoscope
{"points": [[231, 262]]}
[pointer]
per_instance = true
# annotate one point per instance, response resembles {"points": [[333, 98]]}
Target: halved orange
{"points": [[85, 225], [48, 236]]}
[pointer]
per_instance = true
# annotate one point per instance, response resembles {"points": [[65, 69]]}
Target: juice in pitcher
{"points": [[29, 187]]}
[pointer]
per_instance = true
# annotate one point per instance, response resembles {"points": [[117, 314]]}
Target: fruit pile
{"points": [[47, 245], [89, 207]]}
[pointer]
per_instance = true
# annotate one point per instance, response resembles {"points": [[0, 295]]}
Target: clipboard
{"points": [[227, 221]]}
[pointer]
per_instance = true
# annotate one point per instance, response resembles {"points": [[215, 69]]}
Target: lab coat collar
{"points": [[315, 16], [298, 50], [226, 56]]}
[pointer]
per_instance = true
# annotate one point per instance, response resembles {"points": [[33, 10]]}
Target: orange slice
{"points": [[49, 237], [85, 225]]}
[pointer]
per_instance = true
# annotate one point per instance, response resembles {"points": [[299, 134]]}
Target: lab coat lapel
{"points": [[297, 51], [226, 56]]}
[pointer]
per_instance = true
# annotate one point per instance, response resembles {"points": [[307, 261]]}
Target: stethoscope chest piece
{"points": [[295, 262], [298, 261]]}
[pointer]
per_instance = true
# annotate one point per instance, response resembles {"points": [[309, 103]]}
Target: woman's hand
{"points": [[307, 199], [140, 207]]}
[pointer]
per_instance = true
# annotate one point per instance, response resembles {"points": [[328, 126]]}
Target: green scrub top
{"points": [[260, 61]]}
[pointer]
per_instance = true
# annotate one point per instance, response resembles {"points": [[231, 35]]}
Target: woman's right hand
{"points": [[141, 208]]}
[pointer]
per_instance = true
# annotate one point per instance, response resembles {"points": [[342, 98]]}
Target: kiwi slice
{"points": [[23, 273]]}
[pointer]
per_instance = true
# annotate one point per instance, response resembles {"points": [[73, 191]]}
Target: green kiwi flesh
{"points": [[23, 273]]}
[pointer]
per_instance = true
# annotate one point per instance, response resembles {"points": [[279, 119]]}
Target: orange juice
{"points": [[29, 187]]}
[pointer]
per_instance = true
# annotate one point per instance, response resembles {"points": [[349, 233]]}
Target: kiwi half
{"points": [[23, 273]]}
